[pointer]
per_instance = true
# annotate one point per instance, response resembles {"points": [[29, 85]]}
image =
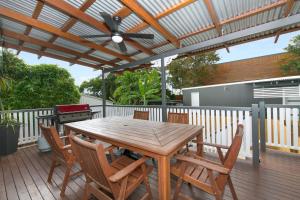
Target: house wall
{"points": [[240, 95]]}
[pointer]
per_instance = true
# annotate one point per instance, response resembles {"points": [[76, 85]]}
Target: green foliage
{"points": [[193, 70], [137, 87], [94, 86], [37, 86], [291, 64]]}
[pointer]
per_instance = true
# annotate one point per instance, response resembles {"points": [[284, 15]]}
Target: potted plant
{"points": [[9, 128]]}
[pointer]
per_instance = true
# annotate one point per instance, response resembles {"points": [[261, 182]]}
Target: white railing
{"points": [[282, 126], [220, 123]]}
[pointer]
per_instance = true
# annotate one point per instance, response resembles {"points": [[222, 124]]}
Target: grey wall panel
{"points": [[234, 95]]}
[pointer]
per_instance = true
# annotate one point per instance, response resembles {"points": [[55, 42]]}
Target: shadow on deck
{"points": [[24, 176]]}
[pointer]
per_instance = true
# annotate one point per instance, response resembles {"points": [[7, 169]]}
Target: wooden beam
{"points": [[42, 43], [21, 48], [138, 10], [123, 12], [80, 15], [213, 15], [16, 16], [68, 25], [287, 11], [37, 10], [139, 47], [168, 11]]}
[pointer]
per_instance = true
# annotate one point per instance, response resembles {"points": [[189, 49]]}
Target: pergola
{"points": [[53, 28]]}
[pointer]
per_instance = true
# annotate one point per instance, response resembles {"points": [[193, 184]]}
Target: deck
{"points": [[23, 177]]}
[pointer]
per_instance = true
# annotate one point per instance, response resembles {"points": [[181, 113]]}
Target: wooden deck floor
{"points": [[23, 176]]}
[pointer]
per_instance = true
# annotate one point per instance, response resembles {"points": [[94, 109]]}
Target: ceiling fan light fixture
{"points": [[117, 38]]}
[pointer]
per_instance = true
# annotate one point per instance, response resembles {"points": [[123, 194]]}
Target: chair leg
{"points": [[66, 179], [86, 193], [53, 165], [234, 196], [177, 188]]}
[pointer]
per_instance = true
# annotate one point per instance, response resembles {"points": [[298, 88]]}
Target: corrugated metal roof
{"points": [[113, 46], [255, 20], [140, 56], [164, 48], [129, 22], [41, 35], [71, 45], [101, 55], [11, 25], [53, 17], [296, 8], [59, 53], [10, 40], [22, 6], [89, 61], [158, 39], [229, 8], [187, 19], [111, 7], [31, 46], [75, 3], [155, 7], [82, 29], [199, 37]]}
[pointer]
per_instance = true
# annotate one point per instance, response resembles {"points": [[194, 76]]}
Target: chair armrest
{"points": [[208, 165], [66, 147], [127, 170], [212, 145], [111, 147]]}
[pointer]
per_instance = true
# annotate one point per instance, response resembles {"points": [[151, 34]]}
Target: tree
{"points": [[137, 87], [193, 70], [37, 86], [291, 64], [94, 86]]}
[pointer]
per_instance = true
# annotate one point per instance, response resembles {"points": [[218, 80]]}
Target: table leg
{"points": [[199, 146], [164, 180]]}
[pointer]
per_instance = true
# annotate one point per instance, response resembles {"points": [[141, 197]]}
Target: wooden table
{"points": [[154, 139]]}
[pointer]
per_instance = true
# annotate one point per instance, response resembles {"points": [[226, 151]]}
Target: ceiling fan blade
{"points": [[138, 35], [109, 21], [122, 47], [95, 36]]}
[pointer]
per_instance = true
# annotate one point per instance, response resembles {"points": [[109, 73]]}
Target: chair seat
{"points": [[135, 177]]}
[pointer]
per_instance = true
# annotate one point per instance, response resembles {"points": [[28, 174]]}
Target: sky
{"points": [[243, 51]]}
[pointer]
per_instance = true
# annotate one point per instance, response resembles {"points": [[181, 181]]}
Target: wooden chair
{"points": [[61, 153], [207, 175], [109, 181], [141, 115], [179, 118]]}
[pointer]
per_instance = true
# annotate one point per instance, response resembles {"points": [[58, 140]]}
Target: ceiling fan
{"points": [[117, 36]]}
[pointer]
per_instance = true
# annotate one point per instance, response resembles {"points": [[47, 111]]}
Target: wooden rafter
{"points": [[22, 48], [78, 14], [138, 10], [16, 16], [288, 9], [70, 23], [168, 11], [45, 44], [213, 15], [37, 10]]}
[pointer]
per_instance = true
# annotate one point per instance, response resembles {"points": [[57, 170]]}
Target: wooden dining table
{"points": [[158, 140]]}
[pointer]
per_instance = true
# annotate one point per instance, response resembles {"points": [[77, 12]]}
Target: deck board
{"points": [[23, 176]]}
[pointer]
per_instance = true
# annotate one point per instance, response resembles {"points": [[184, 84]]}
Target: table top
{"points": [[157, 137]]}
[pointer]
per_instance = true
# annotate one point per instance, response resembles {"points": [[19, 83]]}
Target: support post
{"points": [[163, 90], [103, 95], [262, 116], [255, 144]]}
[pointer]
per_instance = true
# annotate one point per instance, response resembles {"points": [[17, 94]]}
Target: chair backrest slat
{"points": [[52, 137], [93, 162], [141, 115], [180, 118]]}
